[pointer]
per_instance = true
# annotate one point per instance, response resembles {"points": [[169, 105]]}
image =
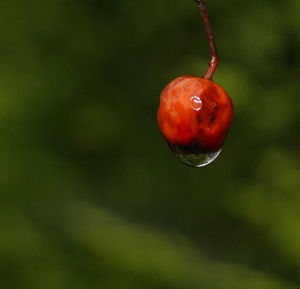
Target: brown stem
{"points": [[214, 57]]}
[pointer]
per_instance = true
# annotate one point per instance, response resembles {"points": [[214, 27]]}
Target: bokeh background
{"points": [[91, 196]]}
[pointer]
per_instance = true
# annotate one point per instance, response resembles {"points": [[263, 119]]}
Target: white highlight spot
{"points": [[196, 102]]}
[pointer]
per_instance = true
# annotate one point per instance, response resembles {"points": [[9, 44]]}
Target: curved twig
{"points": [[214, 57]]}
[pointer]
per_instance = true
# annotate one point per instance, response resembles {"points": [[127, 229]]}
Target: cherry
{"points": [[195, 113]]}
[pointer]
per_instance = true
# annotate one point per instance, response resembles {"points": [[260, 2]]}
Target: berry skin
{"points": [[194, 114]]}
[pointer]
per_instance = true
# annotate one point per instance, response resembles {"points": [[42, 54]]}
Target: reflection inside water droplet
{"points": [[196, 102], [192, 156], [197, 160]]}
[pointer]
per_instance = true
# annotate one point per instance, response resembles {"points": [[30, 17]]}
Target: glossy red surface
{"points": [[194, 114]]}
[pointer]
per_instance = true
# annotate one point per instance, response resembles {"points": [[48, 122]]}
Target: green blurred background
{"points": [[91, 196]]}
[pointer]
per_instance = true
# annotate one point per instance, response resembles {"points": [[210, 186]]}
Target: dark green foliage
{"points": [[91, 196]]}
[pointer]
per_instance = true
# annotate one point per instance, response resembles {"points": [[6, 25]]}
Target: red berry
{"points": [[194, 115]]}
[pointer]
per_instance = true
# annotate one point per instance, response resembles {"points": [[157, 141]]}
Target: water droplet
{"points": [[196, 102], [192, 156], [197, 160]]}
